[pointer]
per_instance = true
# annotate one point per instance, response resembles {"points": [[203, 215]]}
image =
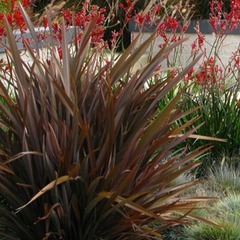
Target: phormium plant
{"points": [[85, 152]]}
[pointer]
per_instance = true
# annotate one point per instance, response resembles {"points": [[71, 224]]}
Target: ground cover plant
{"points": [[223, 183], [85, 151], [225, 212]]}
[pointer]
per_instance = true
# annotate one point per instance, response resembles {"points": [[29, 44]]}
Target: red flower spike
{"points": [[157, 9], [67, 15], [140, 19], [45, 22], [25, 3], [190, 76], [221, 21], [171, 24]]}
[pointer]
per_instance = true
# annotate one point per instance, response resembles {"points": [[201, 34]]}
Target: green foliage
{"points": [[224, 180], [219, 112], [204, 232], [5, 6], [226, 213], [84, 150]]}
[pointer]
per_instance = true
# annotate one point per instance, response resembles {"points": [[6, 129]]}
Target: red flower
{"points": [[25, 3], [190, 75], [157, 9], [171, 24], [18, 19], [114, 38], [139, 19], [12, 5], [68, 16], [221, 21], [45, 22], [201, 37], [128, 8], [2, 32]]}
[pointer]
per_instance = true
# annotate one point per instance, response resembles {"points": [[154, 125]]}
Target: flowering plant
{"points": [[213, 83], [12, 12], [215, 86]]}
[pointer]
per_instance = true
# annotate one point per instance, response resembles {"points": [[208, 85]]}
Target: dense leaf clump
{"points": [[85, 151]]}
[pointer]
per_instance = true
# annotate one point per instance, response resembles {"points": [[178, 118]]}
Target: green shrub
{"points": [[224, 180], [226, 213], [205, 232], [220, 111]]}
